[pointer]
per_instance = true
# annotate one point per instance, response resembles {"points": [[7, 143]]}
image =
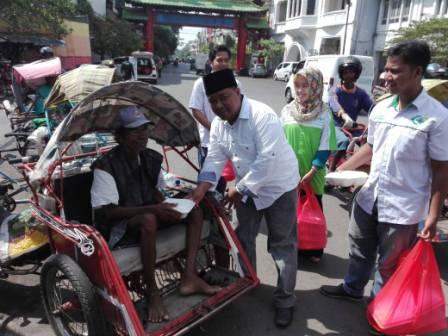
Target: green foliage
{"points": [[37, 16], [434, 32], [114, 37], [229, 41], [165, 40], [271, 49]]}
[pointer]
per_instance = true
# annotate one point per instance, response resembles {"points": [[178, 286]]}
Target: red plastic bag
{"points": [[311, 226], [227, 172], [412, 301]]}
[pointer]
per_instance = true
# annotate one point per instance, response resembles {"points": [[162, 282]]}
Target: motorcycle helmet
{"points": [[350, 62], [46, 52]]}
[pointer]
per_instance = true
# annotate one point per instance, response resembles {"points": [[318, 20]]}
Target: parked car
{"points": [[258, 70], [146, 67], [435, 70], [329, 64], [284, 70]]}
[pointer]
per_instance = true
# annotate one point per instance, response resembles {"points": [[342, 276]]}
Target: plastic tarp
{"points": [[438, 89], [21, 233], [173, 125], [33, 74], [78, 83]]}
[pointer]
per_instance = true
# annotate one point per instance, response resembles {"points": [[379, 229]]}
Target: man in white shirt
{"points": [[249, 133], [219, 60], [129, 207], [407, 145]]}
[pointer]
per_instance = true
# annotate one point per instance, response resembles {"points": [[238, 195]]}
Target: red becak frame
{"points": [[86, 246]]}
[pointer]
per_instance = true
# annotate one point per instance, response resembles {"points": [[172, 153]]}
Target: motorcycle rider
{"points": [[46, 52], [346, 102]]}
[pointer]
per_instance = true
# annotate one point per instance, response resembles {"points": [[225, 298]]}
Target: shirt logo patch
{"points": [[417, 120]]}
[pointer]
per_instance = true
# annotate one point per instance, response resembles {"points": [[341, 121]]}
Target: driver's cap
{"points": [[132, 117]]}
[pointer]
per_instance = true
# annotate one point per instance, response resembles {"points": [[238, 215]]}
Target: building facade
{"points": [[396, 14], [362, 27], [317, 27]]}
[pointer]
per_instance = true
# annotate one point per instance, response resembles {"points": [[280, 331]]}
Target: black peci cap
{"points": [[219, 80]]}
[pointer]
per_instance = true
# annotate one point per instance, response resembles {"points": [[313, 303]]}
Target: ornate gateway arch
{"points": [[239, 15]]}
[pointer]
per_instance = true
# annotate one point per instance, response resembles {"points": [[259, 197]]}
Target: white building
{"points": [[311, 27], [363, 27], [395, 14]]}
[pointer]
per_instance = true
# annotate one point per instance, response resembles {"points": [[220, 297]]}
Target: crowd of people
{"points": [[406, 146]]}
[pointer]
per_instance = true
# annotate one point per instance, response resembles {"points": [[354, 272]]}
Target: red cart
{"points": [[89, 289]]}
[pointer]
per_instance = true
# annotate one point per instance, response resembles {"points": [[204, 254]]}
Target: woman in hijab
{"points": [[310, 131]]}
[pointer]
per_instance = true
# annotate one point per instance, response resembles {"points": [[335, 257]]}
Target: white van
{"points": [[201, 63], [329, 64], [143, 61]]}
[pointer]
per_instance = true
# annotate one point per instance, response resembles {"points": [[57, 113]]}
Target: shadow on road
{"points": [[172, 75], [22, 304], [314, 315], [341, 195], [331, 266]]}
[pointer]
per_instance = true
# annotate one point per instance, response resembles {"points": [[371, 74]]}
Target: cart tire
{"points": [[61, 278], [351, 201]]}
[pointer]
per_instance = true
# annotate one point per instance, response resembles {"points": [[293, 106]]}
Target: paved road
{"points": [[251, 315]]}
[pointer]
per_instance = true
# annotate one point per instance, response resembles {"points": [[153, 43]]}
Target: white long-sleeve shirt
{"points": [[264, 163]]}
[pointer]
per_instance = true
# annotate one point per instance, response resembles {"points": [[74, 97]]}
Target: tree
{"points": [[37, 16], [434, 32], [114, 37], [271, 49], [165, 40]]}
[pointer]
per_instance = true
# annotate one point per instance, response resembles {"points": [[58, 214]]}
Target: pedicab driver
{"points": [[407, 143], [249, 133], [128, 206]]}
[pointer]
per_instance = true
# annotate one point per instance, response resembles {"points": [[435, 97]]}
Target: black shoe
{"points": [[338, 292], [283, 316]]}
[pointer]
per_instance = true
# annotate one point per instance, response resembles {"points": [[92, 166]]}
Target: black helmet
{"points": [[46, 52], [351, 62]]}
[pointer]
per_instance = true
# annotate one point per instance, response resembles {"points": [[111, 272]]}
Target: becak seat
{"points": [[170, 241]]}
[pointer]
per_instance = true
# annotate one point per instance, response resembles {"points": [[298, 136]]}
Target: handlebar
{"points": [[16, 134], [25, 159]]}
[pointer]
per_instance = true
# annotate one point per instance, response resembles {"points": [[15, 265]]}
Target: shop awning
{"points": [[30, 39]]}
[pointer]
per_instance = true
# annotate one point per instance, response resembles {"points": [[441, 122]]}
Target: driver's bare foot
{"points": [[157, 312], [192, 284]]}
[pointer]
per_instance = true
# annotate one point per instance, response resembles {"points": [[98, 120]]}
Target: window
{"points": [[282, 11], [334, 5], [395, 6], [296, 8], [299, 8], [330, 46], [406, 9], [385, 11], [393, 9], [438, 5], [310, 7], [290, 6]]}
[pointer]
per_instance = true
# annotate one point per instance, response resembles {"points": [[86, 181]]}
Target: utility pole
{"points": [[347, 13]]}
